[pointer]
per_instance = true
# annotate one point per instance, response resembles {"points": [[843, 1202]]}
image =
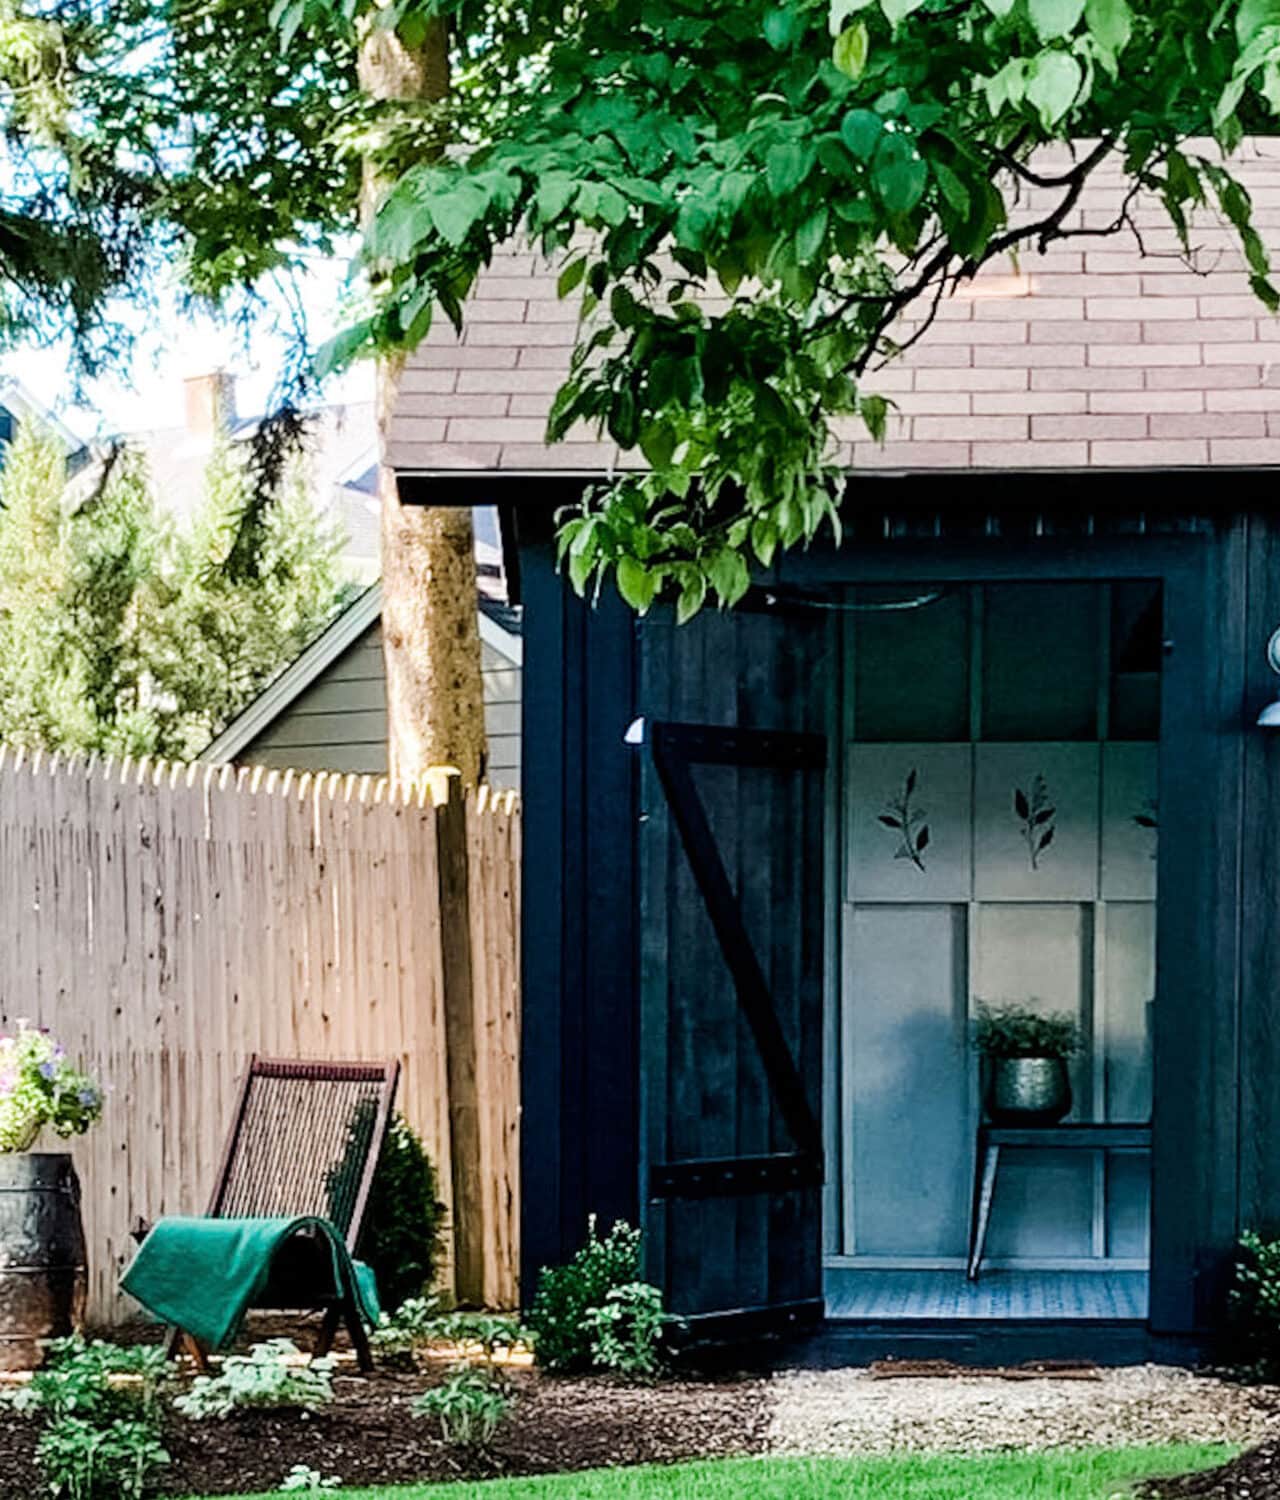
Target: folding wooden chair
{"points": [[305, 1139]]}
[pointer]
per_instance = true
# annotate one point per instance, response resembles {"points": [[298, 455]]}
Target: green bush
{"points": [[626, 1330], [573, 1318], [1255, 1307], [84, 1460], [403, 1236], [102, 1403]]}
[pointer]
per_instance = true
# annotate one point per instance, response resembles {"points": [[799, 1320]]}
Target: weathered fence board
{"points": [[167, 921]]}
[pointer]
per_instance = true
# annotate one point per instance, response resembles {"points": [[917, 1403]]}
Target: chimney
{"points": [[210, 401]]}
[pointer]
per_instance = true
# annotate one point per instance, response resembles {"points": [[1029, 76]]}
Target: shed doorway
{"points": [[997, 825]]}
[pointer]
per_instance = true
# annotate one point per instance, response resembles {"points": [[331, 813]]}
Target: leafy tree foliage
{"points": [[746, 198], [120, 632]]}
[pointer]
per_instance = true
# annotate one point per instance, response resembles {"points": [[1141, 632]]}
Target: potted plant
{"points": [[43, 1275], [1026, 1052]]}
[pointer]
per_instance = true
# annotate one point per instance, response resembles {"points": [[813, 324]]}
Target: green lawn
{"points": [[1053, 1476]]}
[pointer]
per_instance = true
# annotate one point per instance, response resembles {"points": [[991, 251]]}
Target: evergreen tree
{"points": [[120, 632]]}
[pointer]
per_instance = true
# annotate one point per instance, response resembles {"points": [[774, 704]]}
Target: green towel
{"points": [[202, 1275]]}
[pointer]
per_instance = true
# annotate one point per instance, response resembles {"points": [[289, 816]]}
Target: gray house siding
{"points": [[339, 722]]}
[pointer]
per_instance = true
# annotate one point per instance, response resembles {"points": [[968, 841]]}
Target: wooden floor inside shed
{"points": [[996, 1296]]}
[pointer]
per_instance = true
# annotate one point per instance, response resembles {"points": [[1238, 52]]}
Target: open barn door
{"points": [[732, 1024]]}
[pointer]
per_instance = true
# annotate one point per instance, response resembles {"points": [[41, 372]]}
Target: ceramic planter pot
{"points": [[1028, 1090], [43, 1272]]}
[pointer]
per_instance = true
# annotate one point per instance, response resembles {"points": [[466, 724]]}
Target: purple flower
{"points": [[88, 1098], [48, 1071]]}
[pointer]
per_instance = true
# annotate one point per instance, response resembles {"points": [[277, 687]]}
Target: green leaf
{"points": [[899, 173], [851, 49], [555, 193], [1110, 24], [787, 165], [897, 11], [637, 585], [1253, 16], [571, 277], [952, 189], [1052, 85], [1055, 18], [456, 212], [861, 130], [729, 575], [692, 597], [841, 10], [812, 234], [1000, 8], [780, 28]]}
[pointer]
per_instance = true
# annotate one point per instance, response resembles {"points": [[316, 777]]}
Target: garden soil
{"points": [[1253, 1476], [370, 1435]]}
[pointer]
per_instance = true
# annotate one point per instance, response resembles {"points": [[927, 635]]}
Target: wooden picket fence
{"points": [[165, 922]]}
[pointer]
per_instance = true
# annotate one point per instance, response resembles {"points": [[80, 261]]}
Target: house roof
{"points": [[1090, 355], [499, 627], [18, 400]]}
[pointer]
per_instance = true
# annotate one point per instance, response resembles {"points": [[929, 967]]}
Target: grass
{"points": [[1089, 1475]]}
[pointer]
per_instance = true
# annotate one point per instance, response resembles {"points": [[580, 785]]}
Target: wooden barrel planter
{"points": [[43, 1271]]}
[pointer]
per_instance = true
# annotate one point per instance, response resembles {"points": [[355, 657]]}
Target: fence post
{"points": [[461, 1044]]}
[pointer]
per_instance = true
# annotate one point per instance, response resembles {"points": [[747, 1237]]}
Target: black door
{"points": [[732, 962]]}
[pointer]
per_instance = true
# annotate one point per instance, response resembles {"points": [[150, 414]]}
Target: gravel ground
{"points": [[850, 1412]]}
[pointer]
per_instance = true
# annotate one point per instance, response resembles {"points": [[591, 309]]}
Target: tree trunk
{"points": [[430, 642], [435, 703]]}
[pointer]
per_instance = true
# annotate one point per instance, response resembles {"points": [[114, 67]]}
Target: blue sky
{"points": [[148, 393]]}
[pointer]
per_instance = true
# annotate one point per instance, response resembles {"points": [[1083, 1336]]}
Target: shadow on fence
{"points": [[168, 921]]}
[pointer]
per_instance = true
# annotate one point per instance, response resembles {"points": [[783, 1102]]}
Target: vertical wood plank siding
{"points": [[167, 921]]}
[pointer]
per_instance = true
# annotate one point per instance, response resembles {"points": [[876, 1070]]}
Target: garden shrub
{"points": [[572, 1315], [470, 1405], [403, 1236], [1255, 1307], [261, 1378], [626, 1330], [102, 1405]]}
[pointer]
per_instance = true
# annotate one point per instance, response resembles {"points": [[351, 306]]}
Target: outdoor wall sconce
{"points": [[1269, 718]]}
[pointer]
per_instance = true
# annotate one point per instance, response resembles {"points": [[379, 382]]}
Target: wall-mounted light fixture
{"points": [[1269, 718]]}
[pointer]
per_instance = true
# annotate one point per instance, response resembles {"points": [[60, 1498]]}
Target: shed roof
{"points": [[1093, 354]]}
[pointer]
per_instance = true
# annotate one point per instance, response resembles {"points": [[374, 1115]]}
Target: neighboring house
{"points": [[18, 405], [745, 1003], [338, 441], [327, 711]]}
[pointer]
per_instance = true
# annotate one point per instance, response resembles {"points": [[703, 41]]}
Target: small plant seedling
{"points": [[265, 1377], [302, 1480], [470, 1405]]}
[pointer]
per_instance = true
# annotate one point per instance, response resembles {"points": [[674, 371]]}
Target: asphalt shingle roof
{"points": [[1090, 355]]}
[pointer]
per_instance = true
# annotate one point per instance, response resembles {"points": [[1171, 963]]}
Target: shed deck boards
{"points": [[1058, 1296]]}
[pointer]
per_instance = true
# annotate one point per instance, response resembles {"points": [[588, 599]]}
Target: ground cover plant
{"points": [[1094, 1475]]}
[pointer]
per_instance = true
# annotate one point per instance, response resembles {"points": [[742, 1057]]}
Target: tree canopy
{"points": [[123, 632], [746, 196]]}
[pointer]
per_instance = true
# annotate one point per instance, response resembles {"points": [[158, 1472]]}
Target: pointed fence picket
{"points": [[166, 921]]}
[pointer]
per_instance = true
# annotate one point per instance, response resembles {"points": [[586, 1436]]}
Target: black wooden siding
{"points": [[1217, 542]]}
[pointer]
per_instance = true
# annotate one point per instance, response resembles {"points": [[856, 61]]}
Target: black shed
{"points": [[776, 856]]}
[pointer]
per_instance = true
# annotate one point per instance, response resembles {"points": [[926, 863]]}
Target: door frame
{"points": [[1191, 850]]}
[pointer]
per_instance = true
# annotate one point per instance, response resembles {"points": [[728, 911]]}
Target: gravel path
{"points": [[849, 1412]]}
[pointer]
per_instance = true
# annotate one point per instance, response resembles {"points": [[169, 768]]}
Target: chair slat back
{"points": [[305, 1139]]}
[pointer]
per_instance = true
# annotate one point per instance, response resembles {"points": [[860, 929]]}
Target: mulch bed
{"points": [[369, 1434], [1255, 1475]]}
